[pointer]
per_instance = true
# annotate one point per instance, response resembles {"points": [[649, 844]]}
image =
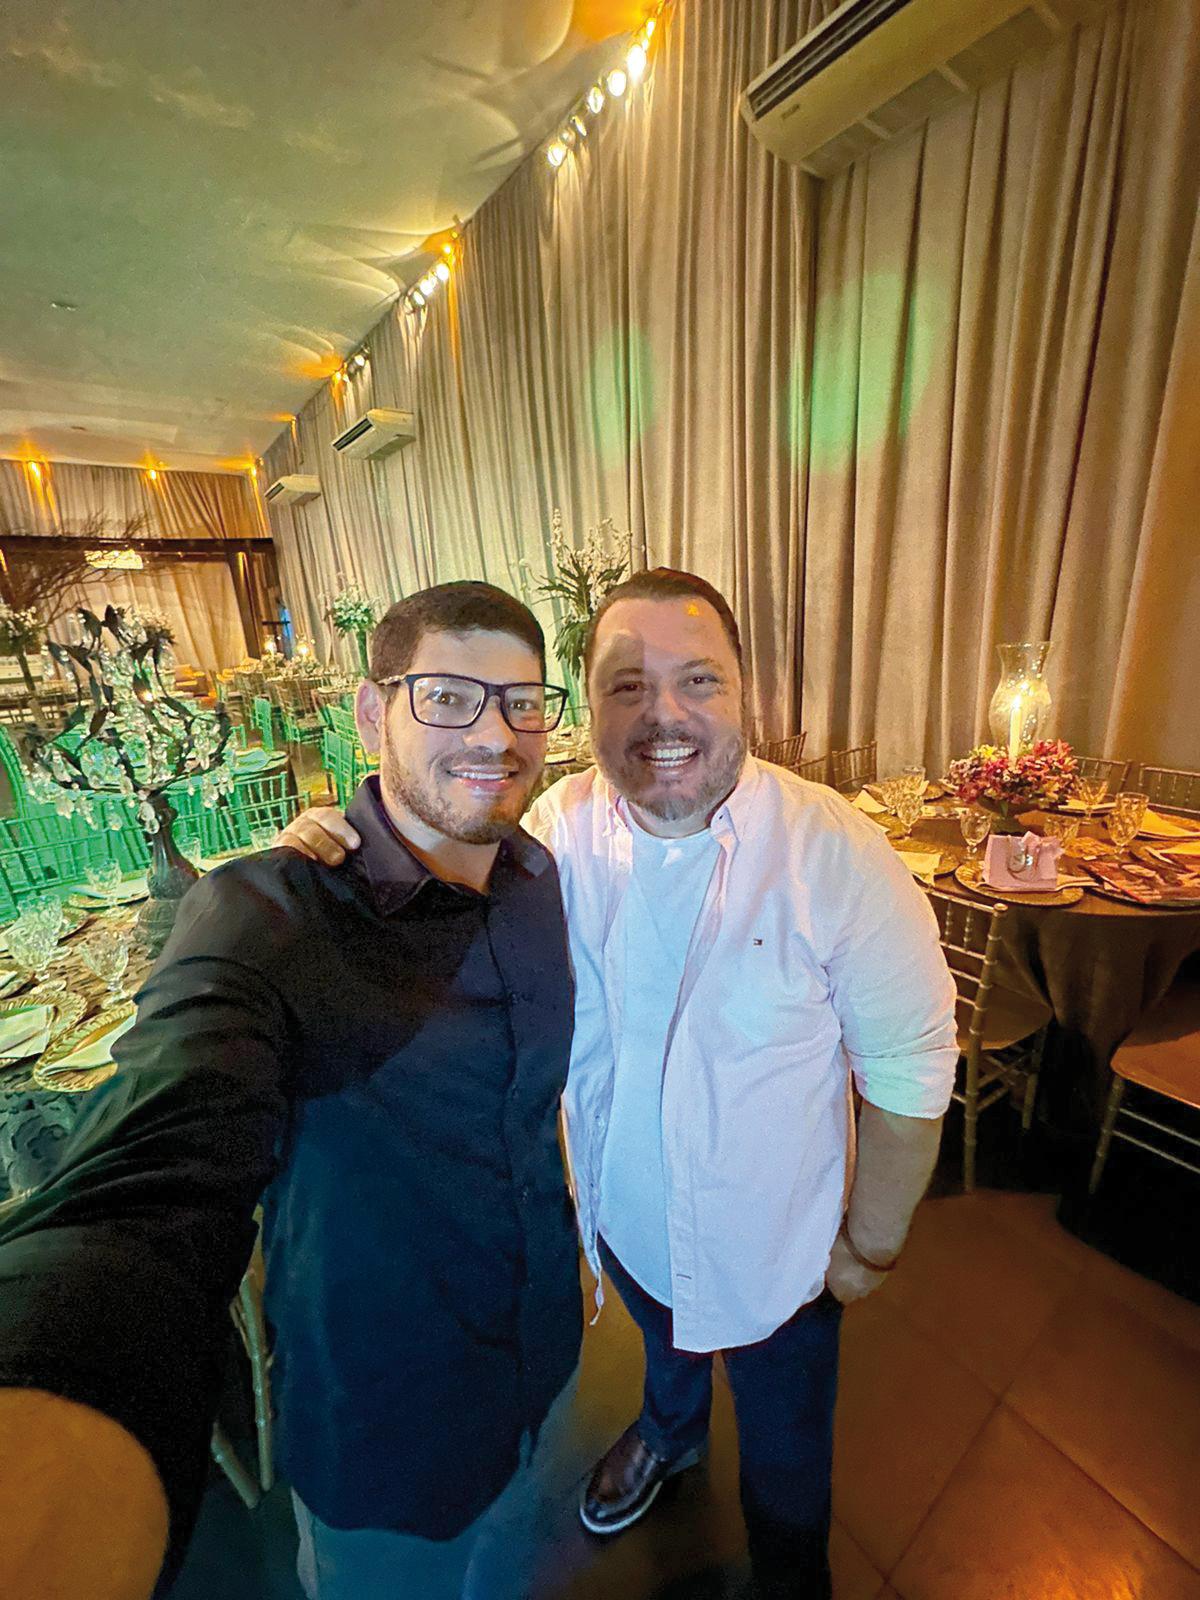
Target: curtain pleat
{"points": [[937, 403]]}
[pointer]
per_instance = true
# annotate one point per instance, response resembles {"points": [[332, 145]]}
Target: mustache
{"points": [[484, 763], [665, 736]]}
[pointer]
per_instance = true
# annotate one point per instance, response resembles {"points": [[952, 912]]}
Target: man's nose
{"points": [[490, 731], [666, 706]]}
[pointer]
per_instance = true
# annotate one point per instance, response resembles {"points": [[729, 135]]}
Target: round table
{"points": [[35, 1122], [1101, 964]]}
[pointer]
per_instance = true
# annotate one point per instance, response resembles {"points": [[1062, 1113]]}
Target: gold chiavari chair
{"points": [[782, 752], [248, 1319], [815, 769], [851, 769], [1001, 1034], [1114, 773], [1176, 790], [1160, 1061]]}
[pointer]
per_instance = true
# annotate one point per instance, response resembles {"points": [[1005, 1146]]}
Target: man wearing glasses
{"points": [[381, 1050]]}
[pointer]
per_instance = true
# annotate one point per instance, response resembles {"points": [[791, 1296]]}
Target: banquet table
{"points": [[35, 1120], [1101, 964]]}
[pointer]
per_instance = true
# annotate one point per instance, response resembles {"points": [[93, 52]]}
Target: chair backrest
{"points": [[782, 752], [970, 935], [1114, 773], [850, 769], [1175, 789], [815, 769], [43, 851]]}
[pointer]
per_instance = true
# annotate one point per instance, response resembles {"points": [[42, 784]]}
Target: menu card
{"points": [[1162, 883]]}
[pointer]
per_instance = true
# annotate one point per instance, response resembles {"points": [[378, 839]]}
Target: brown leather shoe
{"points": [[626, 1483]]}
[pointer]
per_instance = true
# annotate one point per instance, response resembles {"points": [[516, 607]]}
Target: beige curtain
{"points": [[178, 505], [196, 598], [1003, 441], [621, 339], [938, 403]]}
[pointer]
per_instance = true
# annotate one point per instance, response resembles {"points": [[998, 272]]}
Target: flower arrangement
{"points": [[581, 580], [21, 632], [351, 612], [1044, 775]]}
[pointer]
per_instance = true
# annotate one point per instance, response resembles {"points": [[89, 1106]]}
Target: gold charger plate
{"points": [[128, 894], [68, 1080], [1070, 895], [946, 862]]}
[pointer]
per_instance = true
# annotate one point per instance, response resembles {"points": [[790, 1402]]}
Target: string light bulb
{"points": [[152, 474], [442, 271], [418, 298], [557, 153], [428, 284], [635, 63], [650, 25], [616, 82], [595, 99], [579, 125], [35, 468]]}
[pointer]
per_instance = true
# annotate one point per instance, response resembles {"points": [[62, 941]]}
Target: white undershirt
{"points": [[666, 890]]}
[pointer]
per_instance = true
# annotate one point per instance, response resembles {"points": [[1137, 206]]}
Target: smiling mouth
{"points": [[666, 758], [486, 778]]}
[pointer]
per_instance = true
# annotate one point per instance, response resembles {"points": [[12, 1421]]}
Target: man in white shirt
{"points": [[746, 949]]}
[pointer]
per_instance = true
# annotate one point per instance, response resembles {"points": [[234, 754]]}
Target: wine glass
{"points": [[104, 879], [107, 955], [32, 942], [262, 835], [1129, 802], [976, 824], [1091, 792], [1064, 828], [889, 793], [913, 778], [909, 807]]}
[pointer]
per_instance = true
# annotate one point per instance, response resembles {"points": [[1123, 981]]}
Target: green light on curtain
{"points": [[621, 385], [861, 394]]}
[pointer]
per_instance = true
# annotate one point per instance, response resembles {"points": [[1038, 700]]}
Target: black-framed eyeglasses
{"points": [[445, 700]]}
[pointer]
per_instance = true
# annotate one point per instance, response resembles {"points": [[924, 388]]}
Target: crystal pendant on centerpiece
{"points": [[1020, 706]]}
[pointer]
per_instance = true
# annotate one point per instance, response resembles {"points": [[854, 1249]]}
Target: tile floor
{"points": [[1019, 1419]]}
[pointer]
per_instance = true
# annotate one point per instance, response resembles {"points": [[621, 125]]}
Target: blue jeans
{"points": [[784, 1391], [497, 1558]]}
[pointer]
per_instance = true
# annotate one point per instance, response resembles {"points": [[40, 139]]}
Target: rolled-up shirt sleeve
{"points": [[116, 1276], [891, 988]]}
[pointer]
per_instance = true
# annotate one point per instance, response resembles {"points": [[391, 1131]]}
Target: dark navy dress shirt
{"points": [[378, 1056]]}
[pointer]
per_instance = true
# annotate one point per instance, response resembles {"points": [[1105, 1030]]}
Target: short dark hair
{"points": [[463, 607], [663, 583]]}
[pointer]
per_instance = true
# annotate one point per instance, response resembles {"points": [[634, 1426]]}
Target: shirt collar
{"points": [[394, 873], [729, 821]]}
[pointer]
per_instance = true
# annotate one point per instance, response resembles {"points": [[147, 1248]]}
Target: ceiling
{"points": [[229, 194]]}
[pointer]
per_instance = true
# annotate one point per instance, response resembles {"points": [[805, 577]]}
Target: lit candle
{"points": [[1014, 727]]}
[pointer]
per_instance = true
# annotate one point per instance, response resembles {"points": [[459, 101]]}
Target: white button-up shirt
{"points": [[814, 956]]}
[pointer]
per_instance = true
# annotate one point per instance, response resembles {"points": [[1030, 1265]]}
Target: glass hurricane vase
{"points": [[1020, 706]]}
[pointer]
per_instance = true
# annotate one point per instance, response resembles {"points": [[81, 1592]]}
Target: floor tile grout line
{"points": [[959, 1459], [1070, 1460]]}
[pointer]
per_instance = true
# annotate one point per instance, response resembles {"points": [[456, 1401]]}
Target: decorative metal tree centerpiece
{"points": [[130, 738]]}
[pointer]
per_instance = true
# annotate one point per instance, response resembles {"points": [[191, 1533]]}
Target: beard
{"points": [[709, 778], [466, 819]]}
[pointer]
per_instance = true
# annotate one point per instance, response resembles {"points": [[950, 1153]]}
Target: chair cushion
{"points": [[1163, 1051]]}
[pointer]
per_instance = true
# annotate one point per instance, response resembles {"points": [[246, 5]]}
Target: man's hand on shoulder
{"points": [[322, 834]]}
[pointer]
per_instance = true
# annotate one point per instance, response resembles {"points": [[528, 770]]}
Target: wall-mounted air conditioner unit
{"points": [[875, 68], [293, 491], [376, 433]]}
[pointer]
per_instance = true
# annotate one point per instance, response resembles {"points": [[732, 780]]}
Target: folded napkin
{"points": [[25, 1032], [921, 863], [10, 980], [1183, 849], [93, 1052], [1157, 826], [868, 803]]}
